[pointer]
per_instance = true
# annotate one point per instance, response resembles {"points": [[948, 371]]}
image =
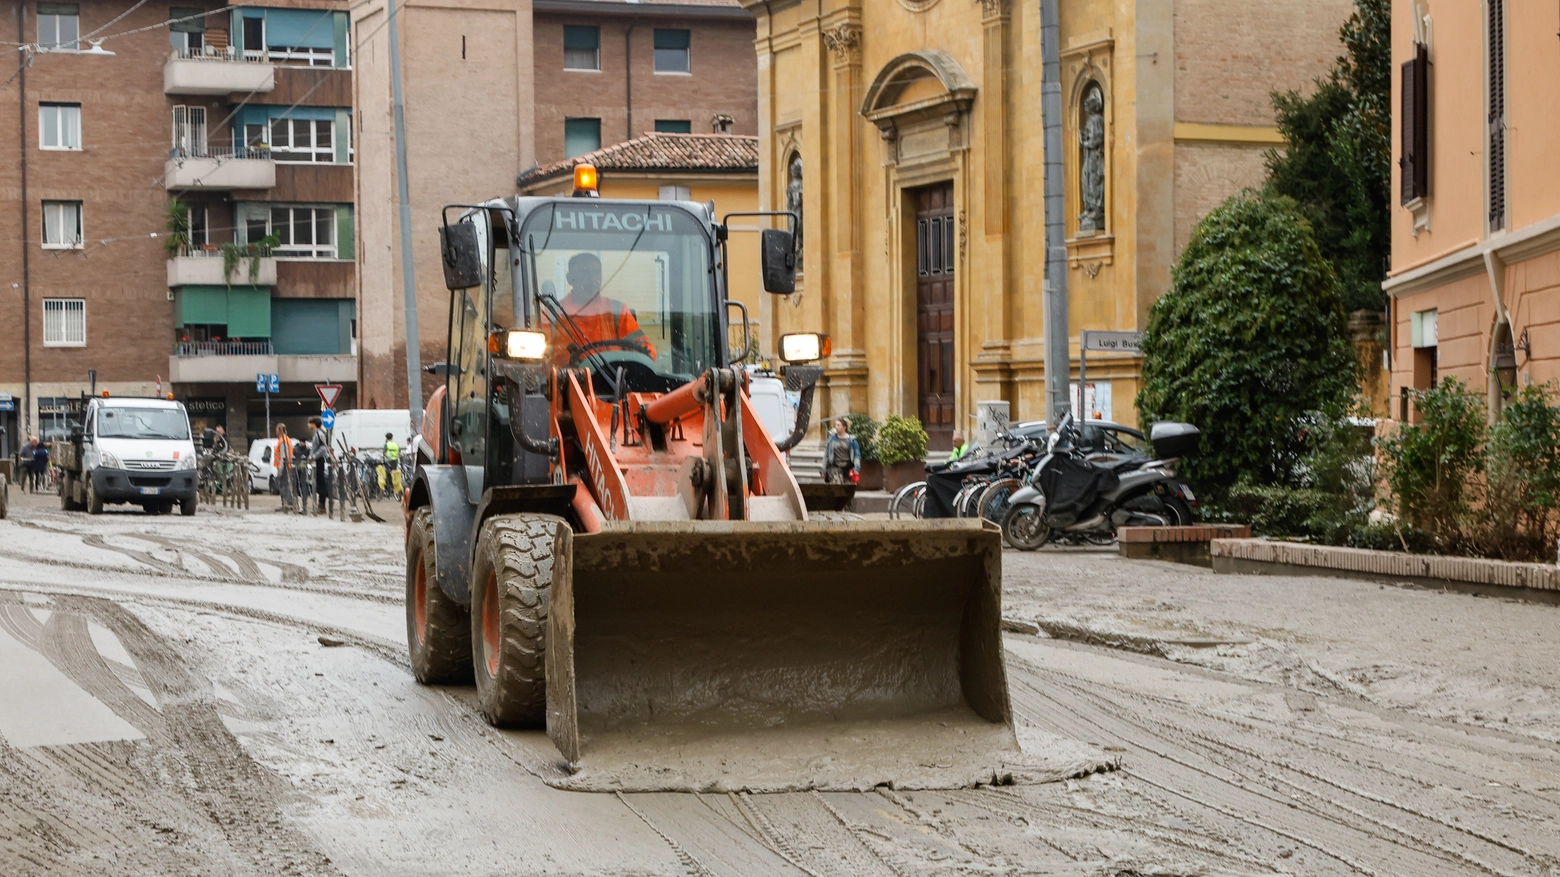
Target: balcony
{"points": [[220, 168], [208, 267], [217, 71], [237, 362]]}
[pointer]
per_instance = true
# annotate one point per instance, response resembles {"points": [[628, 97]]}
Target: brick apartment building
{"points": [[496, 88], [178, 213]]}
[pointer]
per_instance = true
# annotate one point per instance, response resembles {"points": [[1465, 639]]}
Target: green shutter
{"points": [[194, 25], [577, 36], [249, 312], [345, 243], [674, 126], [307, 327], [343, 134], [671, 39], [581, 136], [202, 305], [342, 59]]}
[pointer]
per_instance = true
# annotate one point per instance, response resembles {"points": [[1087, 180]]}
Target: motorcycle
{"points": [[1069, 498]]}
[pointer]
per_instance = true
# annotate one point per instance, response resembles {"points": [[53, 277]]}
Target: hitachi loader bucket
{"points": [[725, 656]]}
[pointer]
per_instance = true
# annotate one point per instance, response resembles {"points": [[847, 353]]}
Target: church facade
{"points": [[908, 136]]}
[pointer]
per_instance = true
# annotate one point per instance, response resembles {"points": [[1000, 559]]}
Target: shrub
{"points": [[1431, 465], [900, 440], [1248, 343], [1338, 475], [865, 430], [1519, 520]]}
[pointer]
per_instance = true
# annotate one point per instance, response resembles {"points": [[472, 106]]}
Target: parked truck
{"points": [[129, 450]]}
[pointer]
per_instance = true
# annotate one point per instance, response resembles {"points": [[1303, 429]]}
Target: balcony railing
{"points": [[223, 348], [220, 53], [225, 153], [214, 251]]}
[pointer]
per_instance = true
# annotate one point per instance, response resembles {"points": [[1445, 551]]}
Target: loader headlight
{"points": [[802, 347], [519, 344]]}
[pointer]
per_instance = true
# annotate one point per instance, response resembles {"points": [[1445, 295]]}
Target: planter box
{"points": [[1176, 544], [871, 475], [903, 474]]}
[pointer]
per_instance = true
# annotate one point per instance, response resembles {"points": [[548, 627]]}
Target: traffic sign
{"points": [[1118, 342], [275, 381], [328, 395], [259, 383], [328, 419]]}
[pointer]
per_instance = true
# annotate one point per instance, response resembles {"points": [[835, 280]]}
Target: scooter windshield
{"points": [[626, 287]]}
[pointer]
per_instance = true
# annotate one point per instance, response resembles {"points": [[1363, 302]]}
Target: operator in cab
{"points": [[606, 324]]}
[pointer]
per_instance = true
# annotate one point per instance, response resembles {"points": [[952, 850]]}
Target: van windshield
{"points": [[142, 423]]}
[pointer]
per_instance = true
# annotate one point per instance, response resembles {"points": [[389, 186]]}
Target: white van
{"points": [[364, 428], [262, 454], [137, 451]]}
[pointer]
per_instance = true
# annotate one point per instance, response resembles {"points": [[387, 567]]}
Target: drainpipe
{"points": [[21, 102], [1058, 362], [628, 77]]}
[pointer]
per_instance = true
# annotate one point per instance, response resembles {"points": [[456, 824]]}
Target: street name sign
{"points": [[1116, 342]]}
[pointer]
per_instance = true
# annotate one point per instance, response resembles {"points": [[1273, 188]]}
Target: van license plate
{"points": [[150, 491]]}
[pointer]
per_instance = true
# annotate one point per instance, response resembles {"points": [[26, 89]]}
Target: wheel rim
{"points": [[490, 626], [420, 600], [1025, 524]]}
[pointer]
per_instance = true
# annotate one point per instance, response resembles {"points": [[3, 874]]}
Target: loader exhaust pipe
{"points": [[768, 656]]}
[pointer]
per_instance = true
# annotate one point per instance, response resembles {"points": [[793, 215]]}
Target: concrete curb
{"points": [[1539, 582], [1187, 544]]}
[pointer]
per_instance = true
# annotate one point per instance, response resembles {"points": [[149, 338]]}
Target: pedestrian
{"points": [[282, 458], [24, 464], [40, 467], [319, 449], [960, 448], [393, 463], [841, 455]]}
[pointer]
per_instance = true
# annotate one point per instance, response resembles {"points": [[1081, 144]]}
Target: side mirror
{"points": [[462, 260], [76, 434], [777, 259]]}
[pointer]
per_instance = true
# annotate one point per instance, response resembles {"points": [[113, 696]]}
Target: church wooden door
{"points": [[934, 260]]}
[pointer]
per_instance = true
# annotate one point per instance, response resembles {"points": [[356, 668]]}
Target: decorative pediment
{"points": [[915, 84]]}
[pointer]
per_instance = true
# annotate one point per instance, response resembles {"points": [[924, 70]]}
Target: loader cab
{"points": [[629, 291]]}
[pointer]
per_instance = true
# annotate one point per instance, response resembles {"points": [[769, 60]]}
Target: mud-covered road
{"points": [[228, 694]]}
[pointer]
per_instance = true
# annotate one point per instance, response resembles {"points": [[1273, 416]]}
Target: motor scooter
{"points": [[1069, 497]]}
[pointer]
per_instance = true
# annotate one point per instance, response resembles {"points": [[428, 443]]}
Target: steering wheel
{"points": [[579, 355]]}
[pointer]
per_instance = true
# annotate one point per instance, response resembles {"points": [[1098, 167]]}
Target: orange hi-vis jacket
{"points": [[600, 319]]}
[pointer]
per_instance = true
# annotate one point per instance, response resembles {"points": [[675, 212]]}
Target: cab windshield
{"points": [[624, 287], [142, 423]]}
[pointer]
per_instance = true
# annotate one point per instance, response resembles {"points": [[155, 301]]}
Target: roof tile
{"points": [[660, 151]]}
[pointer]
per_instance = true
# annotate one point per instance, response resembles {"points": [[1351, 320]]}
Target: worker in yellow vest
{"points": [[393, 463]]}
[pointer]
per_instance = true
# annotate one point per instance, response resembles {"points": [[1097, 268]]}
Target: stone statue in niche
{"points": [[793, 200], [1091, 163]]}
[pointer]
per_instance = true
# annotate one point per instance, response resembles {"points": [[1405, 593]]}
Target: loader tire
{"points": [[438, 632], [511, 587]]}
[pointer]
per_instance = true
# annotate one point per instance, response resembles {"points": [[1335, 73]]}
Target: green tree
{"points": [[1337, 161], [1248, 344]]}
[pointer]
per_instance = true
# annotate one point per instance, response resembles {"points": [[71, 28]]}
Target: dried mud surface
{"points": [[254, 715]]}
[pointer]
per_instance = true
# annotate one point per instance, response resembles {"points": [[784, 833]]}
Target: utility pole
{"points": [[408, 278], [23, 59], [1058, 362]]}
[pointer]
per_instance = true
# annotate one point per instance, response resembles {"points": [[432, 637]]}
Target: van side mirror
{"points": [[777, 260], [462, 260]]}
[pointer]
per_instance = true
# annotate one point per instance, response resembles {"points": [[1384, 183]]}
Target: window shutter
{"points": [[1415, 132]]}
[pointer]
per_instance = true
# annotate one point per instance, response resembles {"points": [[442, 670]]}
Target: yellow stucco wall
{"points": [[974, 121]]}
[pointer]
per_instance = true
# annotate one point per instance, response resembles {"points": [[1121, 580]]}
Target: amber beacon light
{"points": [[586, 181]]}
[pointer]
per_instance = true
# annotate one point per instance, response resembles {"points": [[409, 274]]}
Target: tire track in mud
{"points": [[1222, 776], [186, 800]]}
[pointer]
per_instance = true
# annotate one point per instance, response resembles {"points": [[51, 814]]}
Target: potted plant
{"points": [[901, 446], [865, 429], [252, 251], [178, 239]]}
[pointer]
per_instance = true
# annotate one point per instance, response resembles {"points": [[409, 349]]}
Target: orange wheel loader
{"points": [[603, 535]]}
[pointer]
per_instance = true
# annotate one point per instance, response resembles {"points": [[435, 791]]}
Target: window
{"points": [[1415, 163], [302, 232], [188, 37], [62, 225], [302, 140], [189, 131], [301, 36], [254, 37], [1496, 101], [581, 47], [59, 126], [199, 231], [64, 322], [671, 51], [581, 136], [675, 193], [674, 126], [59, 26]]}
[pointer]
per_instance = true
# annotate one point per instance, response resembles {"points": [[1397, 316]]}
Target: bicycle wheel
{"points": [[964, 504], [903, 504], [919, 501], [993, 502]]}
